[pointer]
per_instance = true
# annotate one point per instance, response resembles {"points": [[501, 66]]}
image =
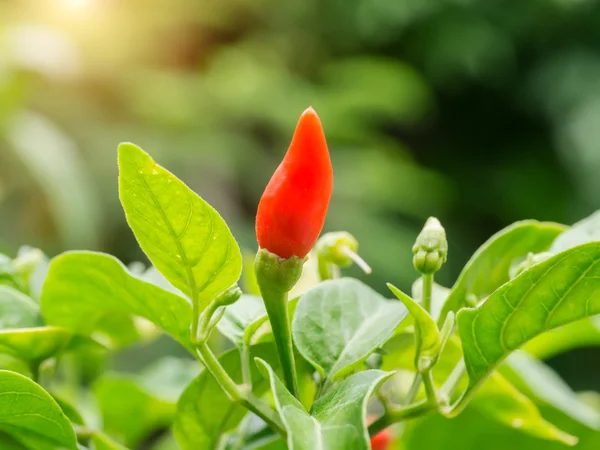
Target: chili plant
{"points": [[316, 360]]}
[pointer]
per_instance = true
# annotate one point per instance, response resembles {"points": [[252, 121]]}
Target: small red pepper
{"points": [[292, 210], [381, 441]]}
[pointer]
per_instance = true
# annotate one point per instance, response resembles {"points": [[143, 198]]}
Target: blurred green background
{"points": [[478, 112]]}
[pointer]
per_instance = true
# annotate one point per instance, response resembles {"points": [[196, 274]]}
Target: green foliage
{"points": [[205, 413], [488, 267], [560, 290], [34, 344], [31, 416], [17, 310], [84, 288], [184, 237], [336, 420], [339, 323]]}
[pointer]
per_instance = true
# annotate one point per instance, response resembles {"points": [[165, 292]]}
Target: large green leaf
{"points": [[83, 289], [341, 322], [184, 237], [336, 421], [205, 413], [31, 416], [17, 310], [537, 380], [34, 344], [582, 333], [488, 267], [560, 290]]}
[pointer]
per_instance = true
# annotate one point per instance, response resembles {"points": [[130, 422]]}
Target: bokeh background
{"points": [[478, 112]]}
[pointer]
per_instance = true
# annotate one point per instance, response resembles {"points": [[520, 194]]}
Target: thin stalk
{"points": [[414, 389], [254, 404], [401, 414], [357, 259], [245, 361], [430, 389], [427, 291], [276, 304]]}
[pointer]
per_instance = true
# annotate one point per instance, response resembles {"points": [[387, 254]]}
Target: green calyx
{"points": [[431, 247], [275, 274]]}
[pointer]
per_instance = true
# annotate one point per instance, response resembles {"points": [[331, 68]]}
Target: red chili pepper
{"points": [[292, 210], [381, 441]]}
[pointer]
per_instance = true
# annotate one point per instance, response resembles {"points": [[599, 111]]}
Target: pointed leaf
{"points": [[85, 288], [560, 290], [336, 421], [31, 416], [537, 380], [428, 341], [184, 237], [34, 344], [341, 322], [17, 310], [488, 267], [205, 413]]}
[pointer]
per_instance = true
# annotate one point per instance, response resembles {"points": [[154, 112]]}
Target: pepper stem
{"points": [[357, 259], [276, 277], [277, 309]]}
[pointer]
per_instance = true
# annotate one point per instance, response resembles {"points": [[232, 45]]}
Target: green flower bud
{"points": [[338, 249], [431, 247]]}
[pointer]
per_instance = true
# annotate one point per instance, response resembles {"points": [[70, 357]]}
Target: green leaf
{"points": [[341, 322], [488, 267], [17, 310], [31, 416], [239, 316], [336, 421], [34, 344], [184, 237], [497, 398], [8, 443], [205, 413], [129, 412], [582, 333], [69, 409], [584, 231], [500, 400], [560, 290], [84, 289], [103, 442], [537, 380], [428, 341]]}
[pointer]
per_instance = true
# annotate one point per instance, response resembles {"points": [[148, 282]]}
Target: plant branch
{"points": [[236, 393], [427, 289], [393, 416]]}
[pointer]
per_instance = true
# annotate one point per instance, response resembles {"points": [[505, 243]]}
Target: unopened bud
{"points": [[431, 247], [340, 249]]}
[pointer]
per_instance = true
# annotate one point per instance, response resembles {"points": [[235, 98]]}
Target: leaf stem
{"points": [[414, 389], [427, 291], [393, 416], [276, 304], [235, 392], [245, 362]]}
